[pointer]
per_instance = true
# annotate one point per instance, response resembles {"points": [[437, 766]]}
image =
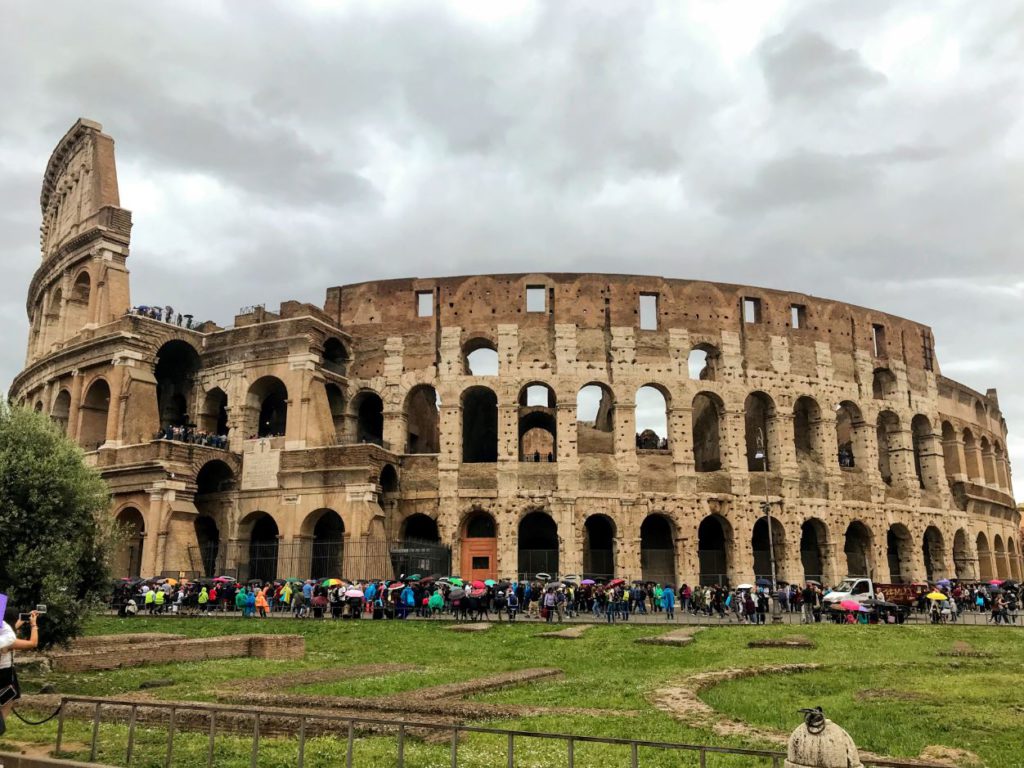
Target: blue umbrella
{"points": [[763, 582]]}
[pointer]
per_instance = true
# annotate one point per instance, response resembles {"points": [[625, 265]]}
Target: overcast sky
{"points": [[864, 151]]}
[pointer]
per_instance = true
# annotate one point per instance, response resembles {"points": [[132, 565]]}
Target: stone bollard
{"points": [[820, 743]]}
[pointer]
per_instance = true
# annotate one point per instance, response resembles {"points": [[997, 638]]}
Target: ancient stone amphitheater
{"points": [[564, 423]]}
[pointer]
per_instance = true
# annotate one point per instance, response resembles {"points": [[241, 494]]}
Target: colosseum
{"points": [[505, 425]]}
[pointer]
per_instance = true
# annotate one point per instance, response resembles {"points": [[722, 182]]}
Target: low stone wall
{"points": [[14, 760], [138, 654]]}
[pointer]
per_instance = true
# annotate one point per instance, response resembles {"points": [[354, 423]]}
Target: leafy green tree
{"points": [[55, 529]]}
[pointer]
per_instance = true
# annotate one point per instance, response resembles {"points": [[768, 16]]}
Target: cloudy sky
{"points": [[869, 152]]}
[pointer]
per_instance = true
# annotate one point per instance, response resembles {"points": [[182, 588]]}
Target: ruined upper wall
{"points": [[375, 311]]}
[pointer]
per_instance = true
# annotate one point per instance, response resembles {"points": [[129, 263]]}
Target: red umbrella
{"points": [[477, 592], [616, 582], [477, 584]]}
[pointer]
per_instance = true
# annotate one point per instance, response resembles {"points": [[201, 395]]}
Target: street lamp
{"points": [[766, 506]]}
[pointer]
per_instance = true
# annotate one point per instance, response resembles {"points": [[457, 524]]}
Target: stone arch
{"points": [[595, 419], [479, 425], [703, 362], [714, 550], [950, 454], [598, 547], [971, 457], [883, 384], [761, 550], [335, 356], [538, 423], [988, 467], [177, 363], [537, 545], [658, 549], [259, 536], [268, 402], [984, 557], [213, 417], [61, 411], [214, 478], [652, 406], [38, 407], [479, 545], [708, 413], [857, 547], [51, 320], [388, 479], [369, 417], [980, 414], [899, 553], [128, 558], [207, 542], [95, 411], [806, 417], [814, 548], [886, 430], [325, 530], [78, 302], [924, 449], [421, 527], [934, 550], [480, 357], [336, 405], [422, 420], [759, 431], [849, 434], [999, 555], [962, 555]]}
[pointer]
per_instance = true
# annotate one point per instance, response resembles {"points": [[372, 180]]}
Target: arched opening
{"points": [[38, 407], [214, 477], [95, 410], [599, 547], [961, 555], [1014, 557], [335, 357], [651, 418], [61, 410], [984, 557], [214, 416], [480, 357], [979, 413], [595, 420], [422, 419], [898, 548], [657, 550], [762, 549], [707, 441], [479, 546], [268, 398], [369, 410], [988, 465], [51, 319], [806, 416], [702, 363], [883, 384], [538, 423], [336, 405], [420, 527], [758, 418], [177, 364], [128, 559], [78, 303], [1000, 557], [713, 550], [886, 430], [849, 423], [328, 544], [260, 534], [208, 542], [857, 546], [814, 549], [971, 457], [950, 456], [388, 479], [479, 426], [934, 554], [1002, 476], [538, 545]]}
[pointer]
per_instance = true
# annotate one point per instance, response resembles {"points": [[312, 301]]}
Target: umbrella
{"points": [[490, 582], [616, 582], [943, 582], [745, 586], [477, 584], [457, 594], [573, 578], [173, 582], [850, 605], [994, 582], [880, 603], [331, 583], [544, 576], [353, 593], [253, 581], [588, 582], [396, 585], [763, 582], [415, 577], [293, 580], [813, 582], [477, 592], [936, 596], [455, 581], [428, 579]]}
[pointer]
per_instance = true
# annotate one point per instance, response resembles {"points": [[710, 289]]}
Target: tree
{"points": [[55, 530]]}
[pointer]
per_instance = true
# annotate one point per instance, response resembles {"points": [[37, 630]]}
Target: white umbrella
{"points": [[354, 593], [745, 586]]}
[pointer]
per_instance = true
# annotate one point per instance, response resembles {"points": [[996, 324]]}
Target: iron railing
{"points": [[202, 718]]}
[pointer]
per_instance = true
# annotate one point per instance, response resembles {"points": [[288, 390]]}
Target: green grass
{"points": [[976, 704]]}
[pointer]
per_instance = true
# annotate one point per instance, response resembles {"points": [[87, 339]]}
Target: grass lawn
{"points": [[886, 685]]}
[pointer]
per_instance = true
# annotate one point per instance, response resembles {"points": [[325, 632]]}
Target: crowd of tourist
{"points": [[550, 600], [189, 434], [163, 314]]}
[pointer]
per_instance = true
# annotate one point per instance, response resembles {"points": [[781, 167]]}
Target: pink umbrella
{"points": [[477, 584], [850, 605], [995, 583]]}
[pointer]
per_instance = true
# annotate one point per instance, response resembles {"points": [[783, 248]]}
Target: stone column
{"points": [[566, 451], [118, 399], [680, 442], [625, 444]]}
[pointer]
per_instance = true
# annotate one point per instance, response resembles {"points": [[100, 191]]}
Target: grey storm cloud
{"points": [[870, 152]]}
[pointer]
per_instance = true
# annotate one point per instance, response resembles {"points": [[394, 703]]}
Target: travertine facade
{"points": [[360, 421]]}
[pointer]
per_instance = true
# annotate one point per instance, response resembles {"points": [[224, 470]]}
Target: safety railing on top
{"points": [[203, 718]]}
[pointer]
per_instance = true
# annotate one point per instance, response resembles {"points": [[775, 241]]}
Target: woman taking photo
{"points": [[9, 642]]}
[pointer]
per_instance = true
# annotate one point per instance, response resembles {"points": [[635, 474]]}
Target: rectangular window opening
{"points": [[798, 315], [481, 564], [536, 298], [424, 303], [878, 340], [929, 353], [648, 311], [751, 311]]}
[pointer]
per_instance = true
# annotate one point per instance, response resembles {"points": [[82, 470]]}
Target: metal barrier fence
{"points": [[122, 710]]}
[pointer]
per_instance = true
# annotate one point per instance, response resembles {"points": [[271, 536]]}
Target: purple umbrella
{"points": [[588, 581]]}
